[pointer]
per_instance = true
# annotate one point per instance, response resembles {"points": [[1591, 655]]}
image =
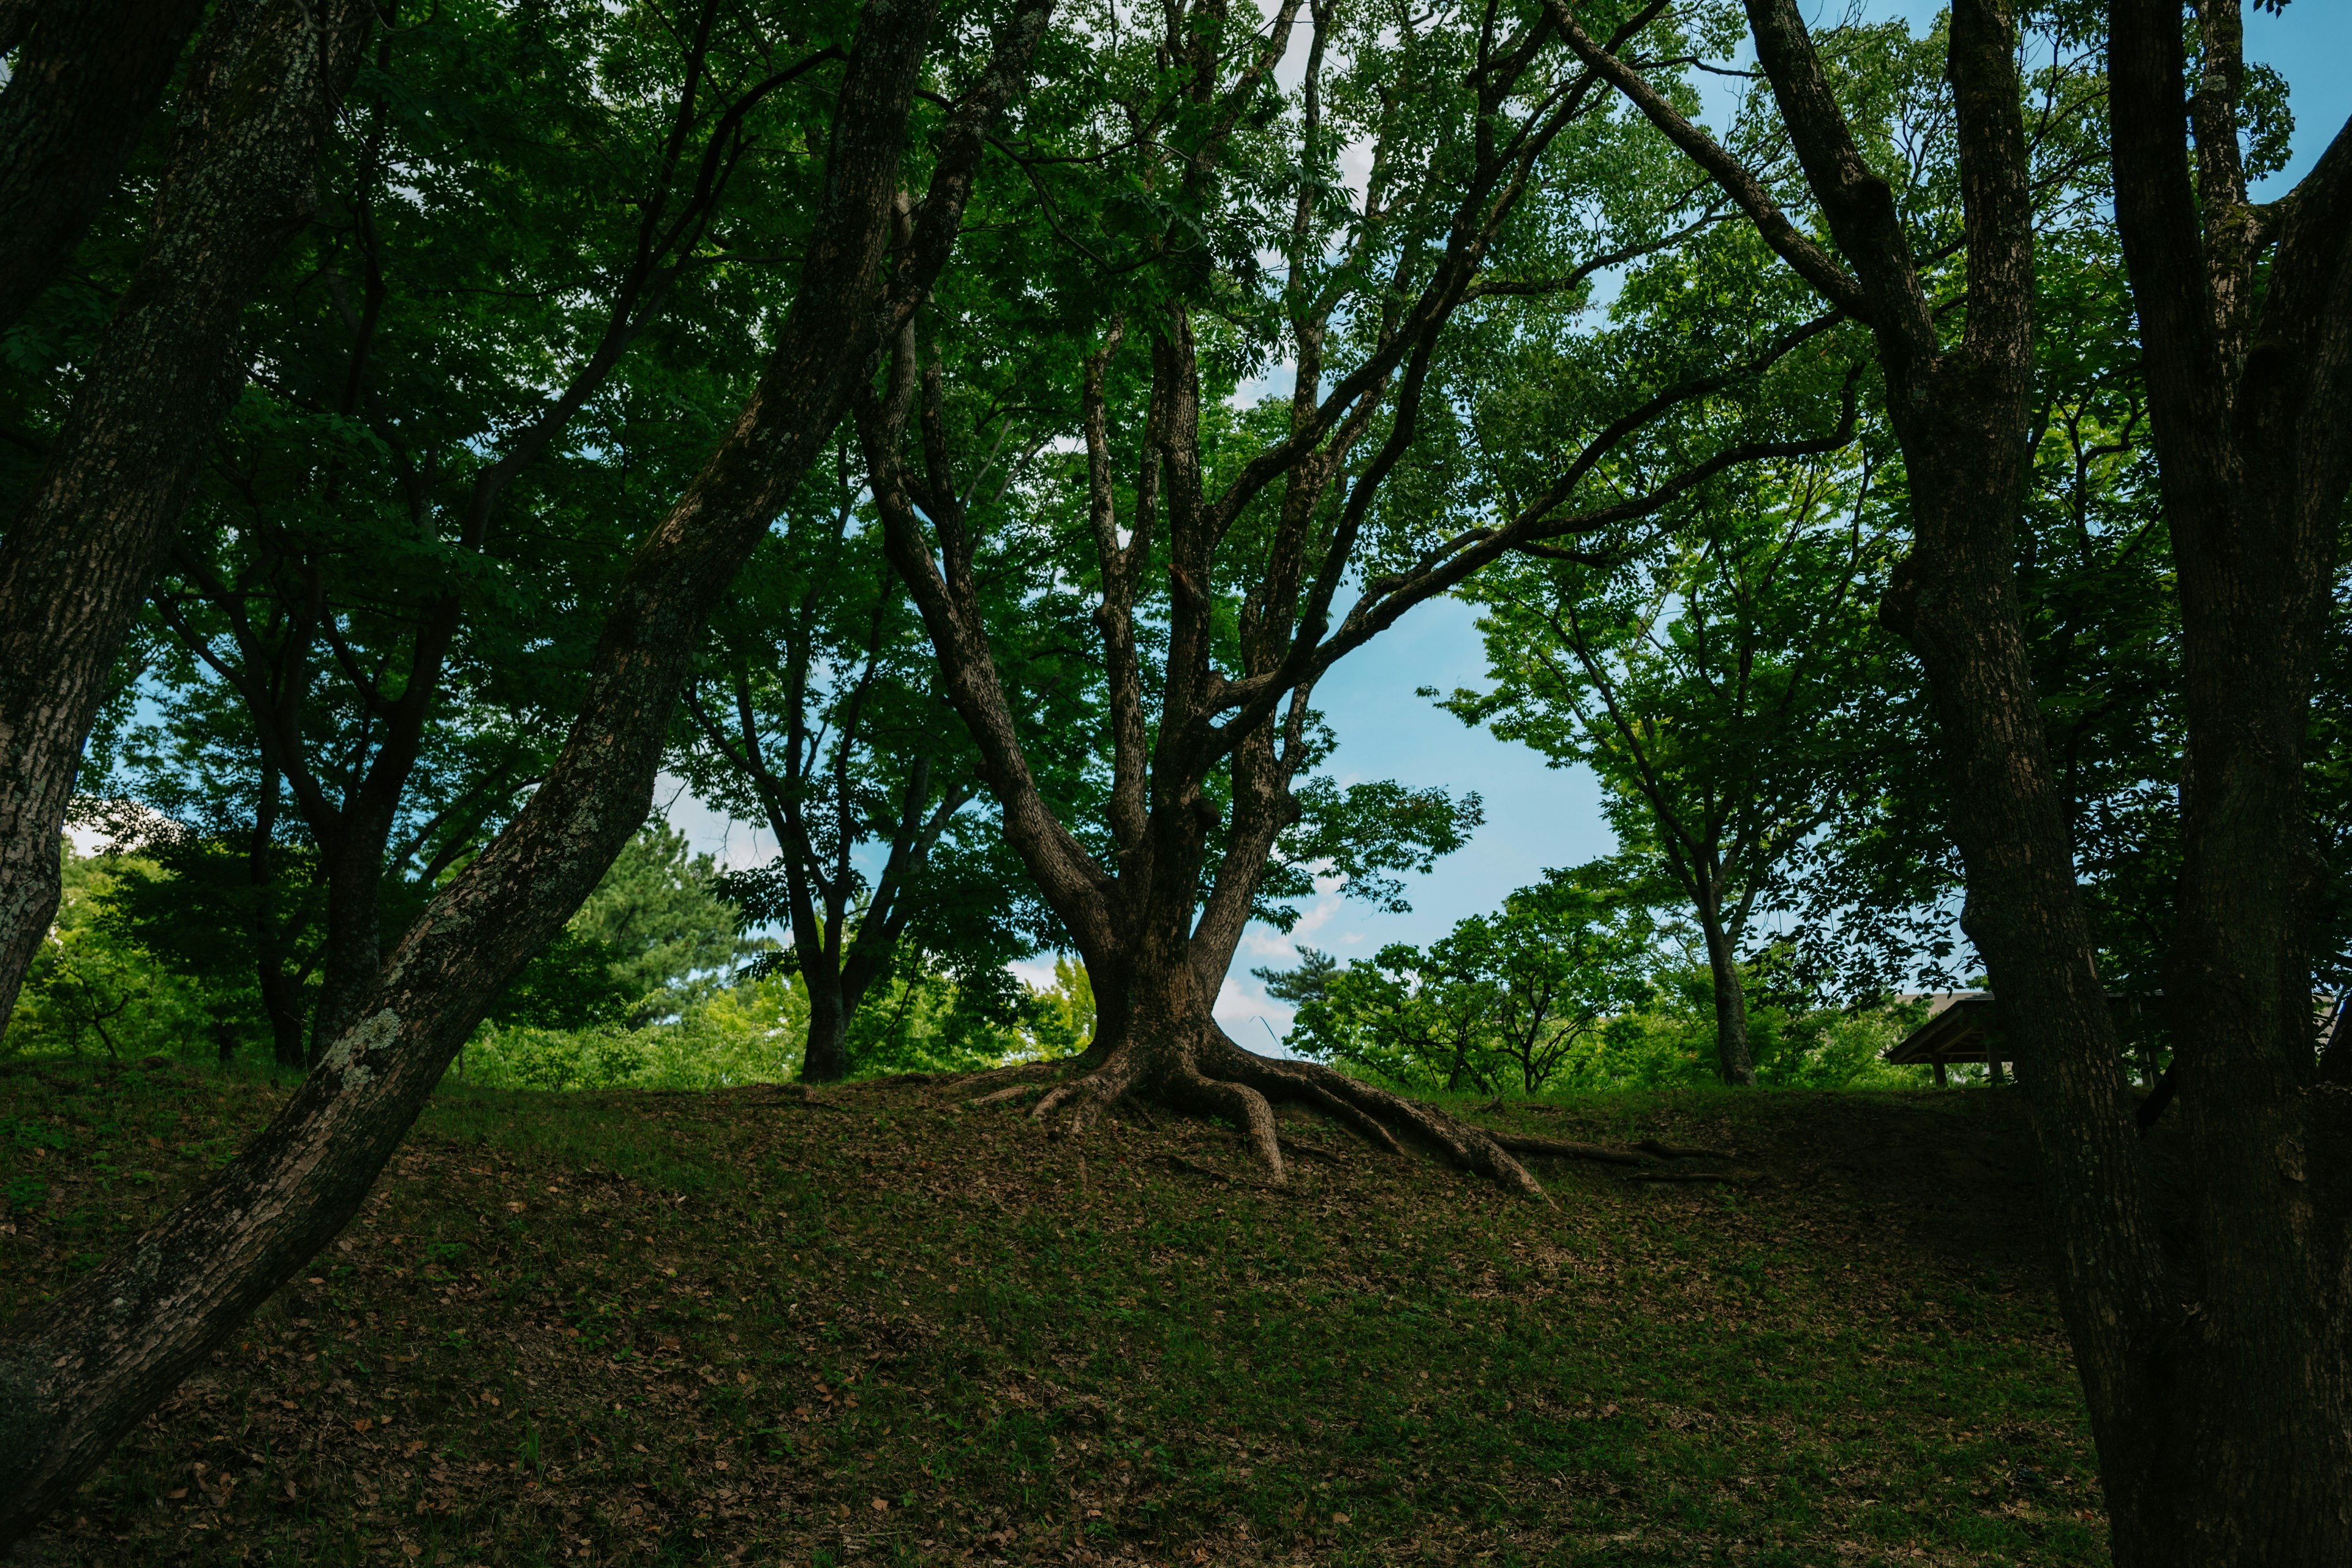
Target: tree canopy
{"points": [[958, 438]]}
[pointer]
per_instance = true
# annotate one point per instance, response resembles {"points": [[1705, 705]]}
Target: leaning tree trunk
{"points": [[81, 1370], [79, 559], [85, 83]]}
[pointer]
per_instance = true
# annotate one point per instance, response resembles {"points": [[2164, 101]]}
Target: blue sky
{"points": [[1538, 816]]}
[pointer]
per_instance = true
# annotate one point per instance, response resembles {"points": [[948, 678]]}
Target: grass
{"points": [[883, 1329]]}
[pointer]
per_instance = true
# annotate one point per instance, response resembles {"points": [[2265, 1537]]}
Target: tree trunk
{"points": [[77, 561], [85, 82], [1732, 1057], [2248, 1387], [353, 867], [826, 1058], [2221, 1429], [83, 1368], [281, 997]]}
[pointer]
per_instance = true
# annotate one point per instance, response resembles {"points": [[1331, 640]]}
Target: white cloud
{"points": [[1259, 941], [1320, 915], [1036, 971], [737, 845]]}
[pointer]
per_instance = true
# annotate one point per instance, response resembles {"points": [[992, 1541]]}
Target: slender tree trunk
{"points": [[281, 998], [81, 1369], [89, 76], [353, 867], [77, 561], [1732, 1058]]}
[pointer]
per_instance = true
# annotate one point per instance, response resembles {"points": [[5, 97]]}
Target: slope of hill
{"points": [[874, 1325]]}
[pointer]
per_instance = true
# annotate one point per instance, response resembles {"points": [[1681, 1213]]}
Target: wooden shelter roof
{"points": [[1958, 1027], [1963, 1025]]}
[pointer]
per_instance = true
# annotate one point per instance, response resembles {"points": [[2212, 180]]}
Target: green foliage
{"points": [[1058, 1020], [1576, 984], [1521, 999], [1362, 835], [669, 935], [752, 1032], [1795, 1042], [94, 989]]}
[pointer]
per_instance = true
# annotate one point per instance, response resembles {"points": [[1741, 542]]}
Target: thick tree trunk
{"points": [[826, 1057], [1954, 600], [79, 1370], [1732, 1058], [89, 75], [1962, 416], [2248, 378], [78, 558]]}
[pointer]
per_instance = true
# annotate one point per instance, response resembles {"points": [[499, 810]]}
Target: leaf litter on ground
{"points": [[650, 1329]]}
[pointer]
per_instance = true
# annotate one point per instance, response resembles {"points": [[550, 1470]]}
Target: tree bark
{"points": [[826, 1057], [1732, 1058], [82, 1370], [77, 561], [281, 994], [2247, 379], [2216, 1377], [86, 78], [351, 864]]}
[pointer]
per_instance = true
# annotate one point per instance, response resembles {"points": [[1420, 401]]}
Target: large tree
{"points": [[2215, 1370], [404, 534], [85, 80], [1494, 178], [2224, 1374], [77, 559], [81, 1369]]}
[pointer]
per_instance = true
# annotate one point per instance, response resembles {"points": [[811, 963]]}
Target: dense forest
{"points": [[1905, 465]]}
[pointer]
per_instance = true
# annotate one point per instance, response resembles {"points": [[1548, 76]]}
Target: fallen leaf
{"points": [[880, 1506]]}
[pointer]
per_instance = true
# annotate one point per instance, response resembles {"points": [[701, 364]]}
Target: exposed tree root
{"points": [[1678, 1150], [1221, 1079], [1010, 1091], [1559, 1150], [1735, 1178], [1019, 1072]]}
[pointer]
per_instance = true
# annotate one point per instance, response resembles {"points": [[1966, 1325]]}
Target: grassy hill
{"points": [[873, 1326]]}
